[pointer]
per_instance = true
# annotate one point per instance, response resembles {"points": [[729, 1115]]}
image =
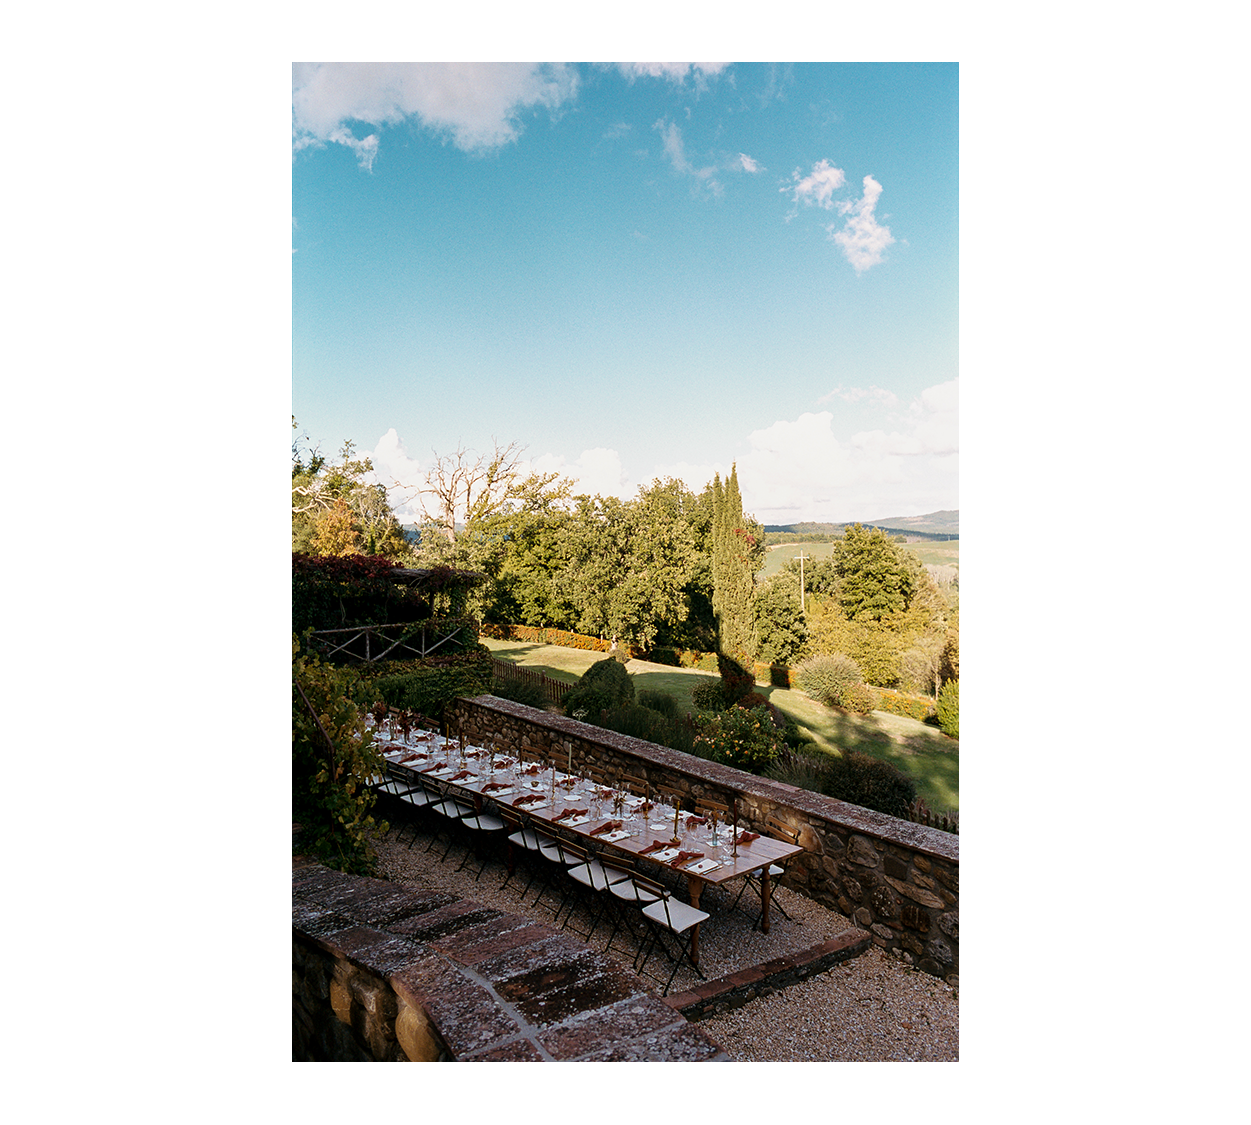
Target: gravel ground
{"points": [[871, 1008]]}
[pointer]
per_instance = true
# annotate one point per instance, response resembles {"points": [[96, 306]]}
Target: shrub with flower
{"points": [[745, 739]]}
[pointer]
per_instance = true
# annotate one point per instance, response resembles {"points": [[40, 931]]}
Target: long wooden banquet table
{"points": [[585, 810]]}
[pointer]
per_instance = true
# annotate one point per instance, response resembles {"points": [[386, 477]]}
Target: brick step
{"points": [[725, 993]]}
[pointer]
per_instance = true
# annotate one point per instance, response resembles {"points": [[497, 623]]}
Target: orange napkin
{"points": [[572, 812], [611, 826], [458, 776], [495, 785], [693, 821], [685, 857], [654, 847], [529, 800], [748, 837]]}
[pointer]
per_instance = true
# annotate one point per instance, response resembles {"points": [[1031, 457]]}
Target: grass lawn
{"points": [[923, 752]]}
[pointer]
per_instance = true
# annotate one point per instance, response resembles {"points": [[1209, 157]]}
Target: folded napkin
{"points": [[495, 785], [695, 821], [610, 826], [462, 774], [686, 857], [530, 771], [605, 794], [572, 812], [645, 807], [432, 768], [657, 846], [501, 765], [748, 837], [528, 800]]}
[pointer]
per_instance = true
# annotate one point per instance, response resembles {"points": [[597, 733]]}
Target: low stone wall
{"points": [[898, 880]]}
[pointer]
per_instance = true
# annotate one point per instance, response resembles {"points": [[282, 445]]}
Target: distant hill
{"points": [[935, 525]]}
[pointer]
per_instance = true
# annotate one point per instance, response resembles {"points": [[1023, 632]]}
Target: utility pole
{"points": [[802, 608]]}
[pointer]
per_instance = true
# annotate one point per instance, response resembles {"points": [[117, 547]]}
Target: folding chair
{"points": [[485, 831], [630, 895], [593, 879], [449, 813], [773, 827], [523, 845], [673, 925]]}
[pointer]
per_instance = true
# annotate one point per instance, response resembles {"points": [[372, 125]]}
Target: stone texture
{"points": [[416, 1035], [862, 851], [917, 894]]}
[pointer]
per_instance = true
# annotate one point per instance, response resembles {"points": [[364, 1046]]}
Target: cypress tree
{"points": [[732, 580], [718, 551]]}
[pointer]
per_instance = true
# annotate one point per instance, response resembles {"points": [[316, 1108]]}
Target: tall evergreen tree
{"points": [[735, 559]]}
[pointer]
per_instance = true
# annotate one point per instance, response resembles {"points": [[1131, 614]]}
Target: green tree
{"points": [[736, 556], [875, 579], [780, 624], [339, 503], [624, 566]]}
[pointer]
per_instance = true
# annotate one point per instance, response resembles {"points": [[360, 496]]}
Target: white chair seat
{"points": [[675, 915], [594, 875]]}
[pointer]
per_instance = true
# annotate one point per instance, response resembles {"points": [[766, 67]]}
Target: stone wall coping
{"points": [[852, 818]]}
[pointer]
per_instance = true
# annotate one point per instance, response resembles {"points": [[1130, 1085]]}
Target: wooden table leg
{"points": [[765, 895], [695, 887]]}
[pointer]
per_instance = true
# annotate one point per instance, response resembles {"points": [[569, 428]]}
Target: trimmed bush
{"points": [[667, 656], [869, 783], [919, 707], [949, 708], [826, 678], [659, 701], [859, 698], [604, 685], [708, 697]]}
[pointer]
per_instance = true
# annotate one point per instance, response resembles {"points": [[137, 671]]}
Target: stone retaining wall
{"points": [[899, 881]]}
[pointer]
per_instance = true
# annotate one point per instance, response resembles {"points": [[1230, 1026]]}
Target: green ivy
{"points": [[332, 760]]}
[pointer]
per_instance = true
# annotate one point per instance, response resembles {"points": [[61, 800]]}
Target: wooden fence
{"points": [[920, 813], [554, 691]]}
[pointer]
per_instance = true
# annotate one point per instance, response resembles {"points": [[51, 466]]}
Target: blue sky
{"points": [[635, 271]]}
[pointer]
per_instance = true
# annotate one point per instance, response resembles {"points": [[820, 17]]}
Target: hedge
{"points": [[919, 707]]}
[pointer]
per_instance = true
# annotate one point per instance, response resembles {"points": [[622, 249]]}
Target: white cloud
{"points": [[818, 187], [862, 239], [674, 71], [475, 105], [675, 149], [860, 394], [799, 470], [748, 164], [596, 472]]}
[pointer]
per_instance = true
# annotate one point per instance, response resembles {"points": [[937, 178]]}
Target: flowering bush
{"points": [[745, 739]]}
